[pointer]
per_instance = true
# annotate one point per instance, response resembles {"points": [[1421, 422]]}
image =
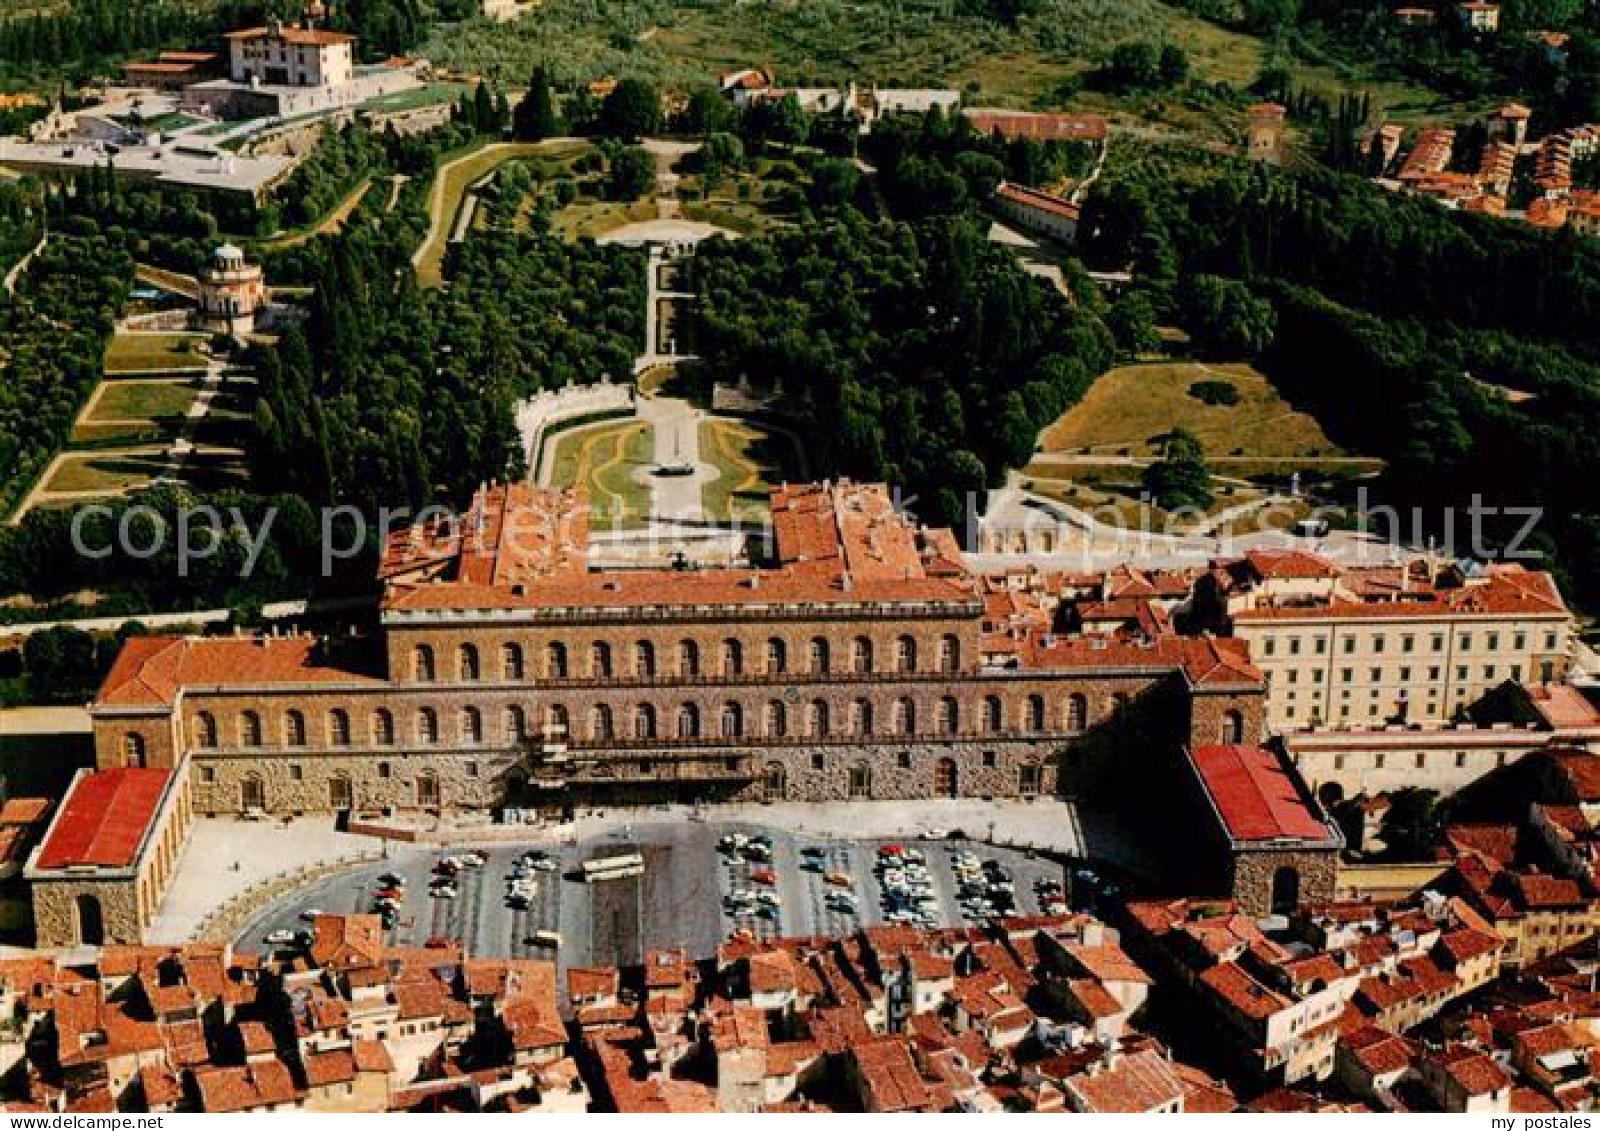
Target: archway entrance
{"points": [[91, 921], [1285, 890], [945, 781]]}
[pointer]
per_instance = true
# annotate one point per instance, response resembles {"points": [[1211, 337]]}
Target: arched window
{"points": [[600, 660], [516, 724], [1232, 728], [249, 729], [555, 661], [905, 654], [294, 729], [732, 720], [383, 728], [949, 715], [600, 728], [422, 664], [861, 655], [91, 920], [777, 721], [775, 781], [817, 719], [905, 716], [732, 658], [861, 717], [427, 727], [777, 657], [511, 661], [555, 722], [949, 654], [467, 663], [1285, 891], [338, 727], [205, 730], [252, 794], [688, 658], [471, 726], [644, 721], [688, 721], [994, 718], [133, 750], [1035, 712], [819, 656], [1077, 712], [644, 659]]}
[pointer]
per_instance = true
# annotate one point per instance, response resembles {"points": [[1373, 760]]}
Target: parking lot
{"points": [[682, 899]]}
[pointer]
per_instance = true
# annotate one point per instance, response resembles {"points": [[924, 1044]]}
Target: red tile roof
{"points": [[1039, 127], [150, 670], [104, 819], [1254, 794]]}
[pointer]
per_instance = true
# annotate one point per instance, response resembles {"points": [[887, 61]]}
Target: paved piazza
{"points": [[679, 901]]}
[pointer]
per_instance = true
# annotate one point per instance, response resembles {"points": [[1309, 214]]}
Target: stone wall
{"points": [[55, 910], [1253, 872]]}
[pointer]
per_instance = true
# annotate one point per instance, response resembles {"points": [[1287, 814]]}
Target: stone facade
{"points": [[87, 904], [722, 736], [56, 916], [1255, 872]]}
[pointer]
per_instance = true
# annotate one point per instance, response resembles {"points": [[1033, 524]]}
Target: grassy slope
{"points": [[831, 41]]}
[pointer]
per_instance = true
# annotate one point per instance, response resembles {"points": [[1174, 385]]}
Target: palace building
{"points": [[859, 661]]}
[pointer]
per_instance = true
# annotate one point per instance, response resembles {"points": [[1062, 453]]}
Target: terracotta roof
{"points": [[1033, 198], [1283, 564], [1378, 1051], [104, 819], [150, 670], [1037, 126], [1139, 1082], [1475, 1072], [1244, 993], [1254, 794], [1504, 592], [298, 36]]}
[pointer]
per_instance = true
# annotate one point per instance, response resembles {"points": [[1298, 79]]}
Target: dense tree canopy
{"points": [[918, 354]]}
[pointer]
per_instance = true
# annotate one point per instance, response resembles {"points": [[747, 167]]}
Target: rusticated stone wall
{"points": [[1253, 873], [55, 911]]}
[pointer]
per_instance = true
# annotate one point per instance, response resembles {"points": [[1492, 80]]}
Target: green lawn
{"points": [[142, 400], [1129, 409], [602, 462], [749, 460], [132, 353], [108, 473]]}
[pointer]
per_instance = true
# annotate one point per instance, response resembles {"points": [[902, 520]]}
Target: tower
{"points": [[231, 292], [1264, 137]]}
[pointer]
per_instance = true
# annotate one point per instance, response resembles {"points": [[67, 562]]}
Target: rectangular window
{"points": [[208, 774], [817, 761], [1294, 645], [1377, 643], [296, 772], [1322, 645], [1268, 646], [1461, 758], [1407, 642], [1349, 645], [472, 769], [383, 769], [1466, 642]]}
